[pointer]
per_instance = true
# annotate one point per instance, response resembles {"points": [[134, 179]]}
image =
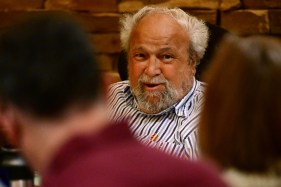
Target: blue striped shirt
{"points": [[173, 130]]}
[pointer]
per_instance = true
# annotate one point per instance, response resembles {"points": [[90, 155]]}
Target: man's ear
{"points": [[10, 126], [193, 63]]}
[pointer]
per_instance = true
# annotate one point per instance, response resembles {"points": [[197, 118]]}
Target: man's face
{"points": [[160, 71]]}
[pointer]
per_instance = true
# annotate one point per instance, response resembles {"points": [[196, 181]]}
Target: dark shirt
{"points": [[113, 158]]}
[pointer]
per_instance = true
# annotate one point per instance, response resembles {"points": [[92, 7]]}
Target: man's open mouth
{"points": [[151, 85]]}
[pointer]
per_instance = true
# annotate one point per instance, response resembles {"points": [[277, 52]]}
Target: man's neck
{"points": [[41, 140]]}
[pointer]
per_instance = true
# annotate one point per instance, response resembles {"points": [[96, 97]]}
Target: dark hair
{"points": [[47, 64], [241, 120]]}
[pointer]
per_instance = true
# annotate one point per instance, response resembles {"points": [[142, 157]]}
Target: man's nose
{"points": [[153, 67]]}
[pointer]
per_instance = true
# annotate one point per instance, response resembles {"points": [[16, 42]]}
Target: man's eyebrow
{"points": [[166, 49], [161, 50]]}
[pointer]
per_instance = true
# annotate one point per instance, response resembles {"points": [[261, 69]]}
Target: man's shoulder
{"points": [[121, 88], [200, 89], [119, 93], [122, 85]]}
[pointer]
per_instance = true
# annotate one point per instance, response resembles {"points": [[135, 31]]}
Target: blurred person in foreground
{"points": [[241, 121], [52, 108], [162, 99]]}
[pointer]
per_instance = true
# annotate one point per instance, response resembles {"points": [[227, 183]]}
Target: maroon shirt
{"points": [[113, 158]]}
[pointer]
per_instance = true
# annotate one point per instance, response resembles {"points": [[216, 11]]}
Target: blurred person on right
{"points": [[241, 121]]}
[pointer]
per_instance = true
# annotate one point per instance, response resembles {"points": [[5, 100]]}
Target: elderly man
{"points": [[162, 100]]}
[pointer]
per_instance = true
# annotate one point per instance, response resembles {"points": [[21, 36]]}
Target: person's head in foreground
{"points": [[241, 123], [163, 46], [47, 73]]}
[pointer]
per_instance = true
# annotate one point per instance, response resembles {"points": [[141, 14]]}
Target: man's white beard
{"points": [[161, 99]]}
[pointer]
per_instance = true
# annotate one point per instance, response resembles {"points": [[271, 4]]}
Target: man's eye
{"points": [[167, 56], [139, 56]]}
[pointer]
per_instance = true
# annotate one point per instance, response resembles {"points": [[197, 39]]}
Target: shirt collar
{"points": [[184, 106]]}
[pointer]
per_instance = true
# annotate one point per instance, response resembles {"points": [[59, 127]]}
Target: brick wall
{"points": [[100, 17]]}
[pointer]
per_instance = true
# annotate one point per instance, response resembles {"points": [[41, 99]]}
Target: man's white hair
{"points": [[196, 29]]}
